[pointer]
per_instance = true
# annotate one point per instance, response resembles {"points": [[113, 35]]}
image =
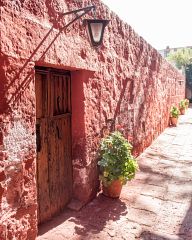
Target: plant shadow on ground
{"points": [[95, 216], [92, 219]]}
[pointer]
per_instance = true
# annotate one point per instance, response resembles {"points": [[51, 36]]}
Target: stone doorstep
{"points": [[75, 205]]}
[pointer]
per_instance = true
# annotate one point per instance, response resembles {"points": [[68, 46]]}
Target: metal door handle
{"points": [[58, 133], [58, 104], [38, 138]]}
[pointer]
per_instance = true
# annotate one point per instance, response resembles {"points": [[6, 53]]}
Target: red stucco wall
{"points": [[125, 80]]}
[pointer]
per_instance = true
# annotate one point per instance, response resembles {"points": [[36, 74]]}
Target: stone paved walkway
{"points": [[156, 205]]}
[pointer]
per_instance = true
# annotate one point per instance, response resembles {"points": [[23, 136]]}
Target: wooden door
{"points": [[53, 131]]}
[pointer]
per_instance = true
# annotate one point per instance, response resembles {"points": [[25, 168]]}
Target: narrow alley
{"points": [[155, 205]]}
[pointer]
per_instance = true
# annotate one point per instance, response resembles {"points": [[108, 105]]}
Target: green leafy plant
{"points": [[174, 112], [182, 104], [117, 162]]}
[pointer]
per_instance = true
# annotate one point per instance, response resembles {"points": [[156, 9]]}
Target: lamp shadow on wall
{"points": [[14, 98], [122, 94], [111, 122]]}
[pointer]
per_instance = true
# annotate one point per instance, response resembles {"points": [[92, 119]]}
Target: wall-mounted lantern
{"points": [[95, 27], [95, 30]]}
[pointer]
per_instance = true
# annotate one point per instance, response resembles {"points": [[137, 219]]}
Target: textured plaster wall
{"points": [[125, 80]]}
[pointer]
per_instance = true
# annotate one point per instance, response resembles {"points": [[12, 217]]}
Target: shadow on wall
{"points": [[11, 101], [127, 86]]}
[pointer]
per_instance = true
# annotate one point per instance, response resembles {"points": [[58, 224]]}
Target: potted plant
{"points": [[117, 165], [174, 114], [186, 103], [182, 107]]}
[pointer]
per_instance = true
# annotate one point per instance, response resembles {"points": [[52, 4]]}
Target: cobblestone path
{"points": [[157, 204]]}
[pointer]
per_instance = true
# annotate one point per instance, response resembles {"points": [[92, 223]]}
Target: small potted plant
{"points": [[117, 165], [186, 103], [174, 114], [182, 106]]}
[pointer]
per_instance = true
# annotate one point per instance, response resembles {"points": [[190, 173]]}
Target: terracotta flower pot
{"points": [[174, 121], [113, 190], [182, 111]]}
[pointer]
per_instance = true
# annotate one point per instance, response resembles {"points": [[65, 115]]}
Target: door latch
{"points": [[58, 133], [38, 138]]}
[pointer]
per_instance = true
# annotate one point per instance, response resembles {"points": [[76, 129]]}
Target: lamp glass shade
{"points": [[95, 30]]}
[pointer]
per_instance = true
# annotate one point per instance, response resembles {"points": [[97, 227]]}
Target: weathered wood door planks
{"points": [[53, 130]]}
